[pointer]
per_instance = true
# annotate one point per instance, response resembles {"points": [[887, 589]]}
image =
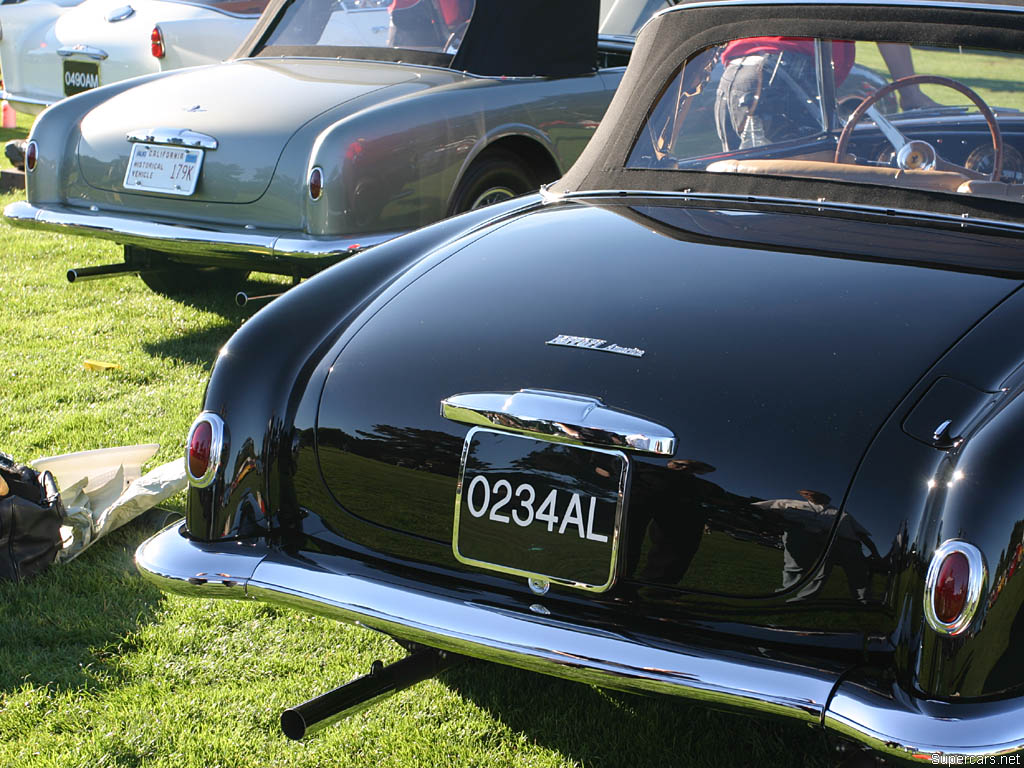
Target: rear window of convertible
{"points": [[940, 119]]}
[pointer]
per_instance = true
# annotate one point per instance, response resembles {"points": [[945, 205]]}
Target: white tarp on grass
{"points": [[103, 489]]}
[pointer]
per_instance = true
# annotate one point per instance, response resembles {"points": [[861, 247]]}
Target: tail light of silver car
{"points": [[31, 156], [156, 43], [952, 586], [316, 183], [203, 449]]}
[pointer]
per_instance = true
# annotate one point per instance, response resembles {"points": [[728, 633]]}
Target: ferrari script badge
{"points": [[598, 345]]}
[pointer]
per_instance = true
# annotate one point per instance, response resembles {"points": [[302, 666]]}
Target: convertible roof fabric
{"points": [[513, 38], [549, 38], [679, 33]]}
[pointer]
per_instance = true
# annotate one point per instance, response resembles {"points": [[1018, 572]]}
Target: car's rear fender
{"points": [[56, 133], [263, 371], [978, 501]]}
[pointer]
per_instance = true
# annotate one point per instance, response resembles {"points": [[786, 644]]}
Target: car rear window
{"points": [[767, 106], [234, 7], [434, 26]]}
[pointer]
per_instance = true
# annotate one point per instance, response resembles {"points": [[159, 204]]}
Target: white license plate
{"points": [[160, 168]]}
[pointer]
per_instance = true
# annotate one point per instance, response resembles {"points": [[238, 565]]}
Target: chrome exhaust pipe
{"points": [[95, 273], [363, 692]]}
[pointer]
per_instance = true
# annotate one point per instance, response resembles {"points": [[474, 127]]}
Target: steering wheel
{"points": [[915, 154]]}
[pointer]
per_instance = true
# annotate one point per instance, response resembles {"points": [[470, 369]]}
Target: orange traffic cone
{"points": [[9, 116]]}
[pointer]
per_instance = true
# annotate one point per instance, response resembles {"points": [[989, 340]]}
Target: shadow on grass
{"points": [[202, 346], [598, 727], [57, 629]]}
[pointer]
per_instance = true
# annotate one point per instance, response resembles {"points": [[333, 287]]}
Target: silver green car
{"points": [[337, 125]]}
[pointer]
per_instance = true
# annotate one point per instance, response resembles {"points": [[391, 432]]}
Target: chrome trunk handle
{"points": [[560, 417], [89, 51]]}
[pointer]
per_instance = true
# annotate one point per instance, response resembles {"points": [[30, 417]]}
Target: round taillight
{"points": [[203, 449], [951, 588], [316, 184], [156, 43], [953, 584], [199, 449], [31, 156]]}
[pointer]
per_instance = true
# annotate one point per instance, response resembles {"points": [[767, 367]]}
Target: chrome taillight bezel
{"points": [[976, 577], [216, 448]]}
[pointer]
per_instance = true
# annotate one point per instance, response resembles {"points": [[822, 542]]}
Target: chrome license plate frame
{"points": [[572, 498]]}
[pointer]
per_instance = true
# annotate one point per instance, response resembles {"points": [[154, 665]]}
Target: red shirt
{"points": [[449, 9], [843, 51]]}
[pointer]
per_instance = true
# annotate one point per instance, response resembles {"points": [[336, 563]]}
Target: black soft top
{"points": [[675, 35], [514, 38]]}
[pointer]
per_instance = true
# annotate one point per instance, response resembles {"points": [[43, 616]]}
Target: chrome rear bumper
{"points": [[451, 620], [191, 240]]}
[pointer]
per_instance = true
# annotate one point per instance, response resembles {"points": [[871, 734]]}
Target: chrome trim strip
{"points": [[977, 576], [14, 99], [184, 239], [560, 417], [178, 137], [89, 51], [906, 727], [962, 220], [216, 448], [452, 620]]}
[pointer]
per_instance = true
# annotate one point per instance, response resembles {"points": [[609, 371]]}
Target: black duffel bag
{"points": [[30, 518]]}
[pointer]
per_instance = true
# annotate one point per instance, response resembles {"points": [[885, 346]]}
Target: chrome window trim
{"points": [[977, 574], [961, 220], [216, 448]]}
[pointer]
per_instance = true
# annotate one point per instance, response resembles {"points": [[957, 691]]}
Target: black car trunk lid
{"points": [[772, 368]]}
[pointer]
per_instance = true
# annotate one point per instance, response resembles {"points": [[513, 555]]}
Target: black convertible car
{"points": [[732, 411]]}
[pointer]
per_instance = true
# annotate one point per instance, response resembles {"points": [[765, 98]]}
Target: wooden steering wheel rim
{"points": [[872, 98]]}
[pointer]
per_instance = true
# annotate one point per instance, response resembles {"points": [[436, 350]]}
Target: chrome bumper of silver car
{"points": [[26, 104], [191, 240], [539, 640]]}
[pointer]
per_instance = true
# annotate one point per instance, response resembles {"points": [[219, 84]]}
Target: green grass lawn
{"points": [[98, 668]]}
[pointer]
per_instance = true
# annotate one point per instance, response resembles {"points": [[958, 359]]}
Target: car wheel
{"points": [[496, 177], [174, 278]]}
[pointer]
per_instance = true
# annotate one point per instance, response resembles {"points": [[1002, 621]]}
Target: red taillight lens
{"points": [[156, 43], [951, 587], [199, 447], [203, 449], [316, 183], [31, 156]]}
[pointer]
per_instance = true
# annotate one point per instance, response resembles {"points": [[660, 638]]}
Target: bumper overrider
{"points": [[192, 242], [353, 592]]}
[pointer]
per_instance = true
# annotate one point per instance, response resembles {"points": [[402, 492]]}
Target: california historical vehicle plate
{"points": [[80, 76], [161, 168], [540, 509]]}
